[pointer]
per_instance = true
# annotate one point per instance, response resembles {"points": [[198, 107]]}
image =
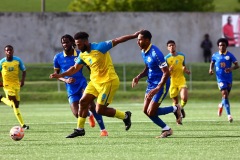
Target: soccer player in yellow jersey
{"points": [[10, 67], [177, 68], [104, 81]]}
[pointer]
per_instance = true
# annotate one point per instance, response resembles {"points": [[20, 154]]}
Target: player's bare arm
{"points": [[72, 70], [23, 78], [125, 38], [186, 70], [211, 68], [236, 66], [138, 77]]}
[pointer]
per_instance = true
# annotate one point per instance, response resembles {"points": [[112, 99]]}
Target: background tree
{"points": [[141, 5]]}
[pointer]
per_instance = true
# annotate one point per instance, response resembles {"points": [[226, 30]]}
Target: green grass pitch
{"points": [[203, 135]]}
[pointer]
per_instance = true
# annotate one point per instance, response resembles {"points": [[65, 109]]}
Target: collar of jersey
{"points": [[75, 53], [148, 48], [223, 53]]}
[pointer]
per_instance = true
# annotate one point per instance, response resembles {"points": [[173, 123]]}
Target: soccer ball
{"points": [[17, 133]]}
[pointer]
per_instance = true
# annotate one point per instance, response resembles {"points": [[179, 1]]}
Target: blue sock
{"points": [[157, 121], [226, 105], [165, 110], [99, 119]]}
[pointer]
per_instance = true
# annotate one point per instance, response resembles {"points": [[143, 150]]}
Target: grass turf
{"points": [[202, 136]]}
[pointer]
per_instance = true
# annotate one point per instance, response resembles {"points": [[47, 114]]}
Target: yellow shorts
{"points": [[12, 91], [175, 88], [103, 91]]}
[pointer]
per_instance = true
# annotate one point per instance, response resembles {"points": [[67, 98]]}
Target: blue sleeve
{"points": [[104, 46], [55, 62], [158, 55], [21, 65], [234, 59]]}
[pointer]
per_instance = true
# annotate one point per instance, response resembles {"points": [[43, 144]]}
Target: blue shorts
{"points": [[224, 85], [75, 91], [159, 97]]}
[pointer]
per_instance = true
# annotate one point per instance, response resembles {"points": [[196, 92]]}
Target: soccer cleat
{"points": [[178, 114], [25, 127], [183, 113], [230, 119], [1, 98], [127, 121], [220, 108], [91, 120], [166, 133], [104, 133], [76, 133]]}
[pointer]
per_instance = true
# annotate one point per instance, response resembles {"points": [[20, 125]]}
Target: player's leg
{"points": [[226, 104], [99, 119], [74, 105], [105, 97], [82, 115], [17, 113], [184, 99], [149, 108], [173, 92], [13, 99]]}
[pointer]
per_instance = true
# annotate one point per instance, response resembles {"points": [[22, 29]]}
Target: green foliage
{"points": [[141, 5], [34, 5], [227, 6]]}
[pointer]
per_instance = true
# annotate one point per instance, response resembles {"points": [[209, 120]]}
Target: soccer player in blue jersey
{"points": [[104, 80], [177, 68], [76, 83], [10, 68], [222, 63], [157, 72]]}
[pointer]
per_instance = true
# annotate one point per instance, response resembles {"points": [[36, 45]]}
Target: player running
{"points": [[222, 63], [104, 80], [157, 73], [177, 68], [10, 66], [76, 83]]}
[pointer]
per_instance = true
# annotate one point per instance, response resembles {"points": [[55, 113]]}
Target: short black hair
{"points": [[71, 39], [8, 46], [224, 40], [81, 35], [146, 34], [170, 41]]}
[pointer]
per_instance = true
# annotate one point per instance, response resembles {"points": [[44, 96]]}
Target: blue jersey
{"points": [[63, 62], [154, 60], [223, 61]]}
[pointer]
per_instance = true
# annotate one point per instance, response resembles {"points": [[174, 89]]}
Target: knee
{"points": [[100, 110], [151, 114], [83, 103]]}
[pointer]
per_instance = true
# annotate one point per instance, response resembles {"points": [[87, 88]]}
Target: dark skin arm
{"points": [[125, 38], [72, 70], [138, 77], [23, 78]]}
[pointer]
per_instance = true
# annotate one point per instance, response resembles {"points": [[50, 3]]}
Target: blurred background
{"points": [[34, 29]]}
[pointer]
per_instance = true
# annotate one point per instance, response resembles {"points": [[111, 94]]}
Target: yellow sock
{"points": [[183, 103], [81, 122], [6, 101], [119, 114], [18, 114]]}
